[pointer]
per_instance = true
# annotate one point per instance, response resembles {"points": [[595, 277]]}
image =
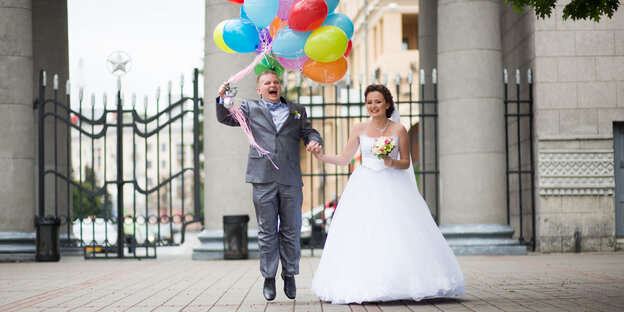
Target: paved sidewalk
{"points": [[561, 282]]}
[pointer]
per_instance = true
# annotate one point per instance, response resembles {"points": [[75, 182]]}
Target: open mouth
{"points": [[273, 93]]}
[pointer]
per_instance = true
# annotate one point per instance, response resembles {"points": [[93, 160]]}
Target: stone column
{"points": [[471, 121], [225, 190], [428, 55], [50, 53], [17, 204]]}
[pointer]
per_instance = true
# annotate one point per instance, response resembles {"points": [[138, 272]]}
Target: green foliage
{"points": [[85, 205], [575, 10]]}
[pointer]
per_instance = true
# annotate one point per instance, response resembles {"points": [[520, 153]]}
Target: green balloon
{"points": [[269, 63]]}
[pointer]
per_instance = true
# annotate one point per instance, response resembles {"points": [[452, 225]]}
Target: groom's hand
{"points": [[222, 89], [314, 147]]}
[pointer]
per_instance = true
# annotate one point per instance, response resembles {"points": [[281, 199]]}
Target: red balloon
{"points": [[349, 46], [307, 15], [237, 1]]}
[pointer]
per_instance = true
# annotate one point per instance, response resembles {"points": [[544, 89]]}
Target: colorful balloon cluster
{"points": [[303, 35]]}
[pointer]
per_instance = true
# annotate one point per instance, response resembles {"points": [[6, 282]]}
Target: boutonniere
{"points": [[295, 114]]}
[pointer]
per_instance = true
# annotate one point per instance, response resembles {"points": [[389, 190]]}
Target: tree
{"points": [[85, 205], [576, 9]]}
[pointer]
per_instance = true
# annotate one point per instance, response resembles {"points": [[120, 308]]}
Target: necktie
{"points": [[273, 107]]}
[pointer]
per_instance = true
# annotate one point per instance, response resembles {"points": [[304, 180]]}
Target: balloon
{"points": [[284, 8], [261, 12], [241, 35], [265, 40], [326, 72], [289, 43], [341, 21], [217, 35], [293, 64], [326, 44], [276, 25], [307, 15], [237, 1], [331, 5], [269, 62], [348, 49], [243, 14]]}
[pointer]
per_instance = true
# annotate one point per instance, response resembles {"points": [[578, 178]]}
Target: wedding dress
{"points": [[383, 244]]}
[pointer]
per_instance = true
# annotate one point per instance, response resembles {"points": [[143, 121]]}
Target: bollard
{"points": [[235, 237], [48, 248]]}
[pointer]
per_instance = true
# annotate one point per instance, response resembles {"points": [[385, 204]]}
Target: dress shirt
{"points": [[279, 115]]}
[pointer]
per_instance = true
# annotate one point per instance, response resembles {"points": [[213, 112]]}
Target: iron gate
{"points": [[519, 153], [131, 204], [323, 183]]}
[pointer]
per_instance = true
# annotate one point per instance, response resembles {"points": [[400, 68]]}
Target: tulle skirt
{"points": [[383, 245]]}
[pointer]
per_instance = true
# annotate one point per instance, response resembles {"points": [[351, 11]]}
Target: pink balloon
{"points": [[284, 9], [293, 64]]}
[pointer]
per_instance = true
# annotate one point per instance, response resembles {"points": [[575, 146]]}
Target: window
{"points": [[410, 31], [163, 164], [148, 164], [163, 147], [149, 147]]}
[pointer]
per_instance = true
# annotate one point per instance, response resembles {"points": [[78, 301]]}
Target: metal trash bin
{"points": [[48, 248], [235, 237]]}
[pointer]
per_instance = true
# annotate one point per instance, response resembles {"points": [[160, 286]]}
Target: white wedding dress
{"points": [[383, 244]]}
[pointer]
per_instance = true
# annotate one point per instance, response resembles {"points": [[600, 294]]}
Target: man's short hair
{"points": [[266, 72]]}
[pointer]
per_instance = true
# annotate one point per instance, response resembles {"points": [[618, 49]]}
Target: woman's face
{"points": [[376, 104]]}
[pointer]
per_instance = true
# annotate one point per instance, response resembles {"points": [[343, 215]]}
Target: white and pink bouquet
{"points": [[383, 146]]}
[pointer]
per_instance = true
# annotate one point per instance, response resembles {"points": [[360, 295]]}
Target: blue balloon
{"points": [[331, 5], [243, 14], [290, 43], [341, 21], [261, 12], [241, 35]]}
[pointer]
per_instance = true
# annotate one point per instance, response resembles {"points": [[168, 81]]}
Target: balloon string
{"points": [[238, 115]]}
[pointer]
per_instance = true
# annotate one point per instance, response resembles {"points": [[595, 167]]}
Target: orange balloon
{"points": [[276, 26], [325, 72]]}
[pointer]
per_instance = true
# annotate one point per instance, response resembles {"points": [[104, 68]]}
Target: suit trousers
{"points": [[278, 239]]}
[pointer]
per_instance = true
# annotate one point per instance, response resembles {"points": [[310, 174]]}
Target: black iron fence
{"points": [[519, 158], [333, 110], [139, 190]]}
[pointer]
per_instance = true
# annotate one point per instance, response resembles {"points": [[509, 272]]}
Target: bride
{"points": [[383, 244]]}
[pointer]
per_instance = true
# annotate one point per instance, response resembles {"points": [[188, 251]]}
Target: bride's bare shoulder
{"points": [[358, 128]]}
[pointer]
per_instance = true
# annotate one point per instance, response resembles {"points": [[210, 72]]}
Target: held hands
{"points": [[315, 148]]}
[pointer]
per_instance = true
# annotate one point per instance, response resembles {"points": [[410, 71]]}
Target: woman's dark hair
{"points": [[386, 94]]}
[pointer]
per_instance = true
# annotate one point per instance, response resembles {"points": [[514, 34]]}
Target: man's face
{"points": [[269, 88]]}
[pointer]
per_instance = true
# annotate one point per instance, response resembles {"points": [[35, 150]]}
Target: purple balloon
{"points": [[283, 11], [293, 64], [265, 39]]}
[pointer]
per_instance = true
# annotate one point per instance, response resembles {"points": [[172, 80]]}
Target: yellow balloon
{"points": [[217, 35], [326, 44]]}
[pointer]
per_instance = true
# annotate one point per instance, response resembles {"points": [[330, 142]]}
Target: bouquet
{"points": [[383, 146]]}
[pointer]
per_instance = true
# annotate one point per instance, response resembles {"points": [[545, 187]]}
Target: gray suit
{"points": [[276, 193]]}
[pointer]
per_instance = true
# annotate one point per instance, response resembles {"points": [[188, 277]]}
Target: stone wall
{"points": [[579, 93]]}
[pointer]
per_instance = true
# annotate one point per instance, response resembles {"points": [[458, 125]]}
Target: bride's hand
{"points": [[388, 161]]}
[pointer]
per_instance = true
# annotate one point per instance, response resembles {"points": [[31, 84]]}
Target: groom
{"points": [[278, 126]]}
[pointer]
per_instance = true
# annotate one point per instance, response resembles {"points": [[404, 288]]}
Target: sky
{"points": [[164, 38]]}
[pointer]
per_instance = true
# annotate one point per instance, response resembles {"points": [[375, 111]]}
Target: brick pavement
{"points": [[561, 282]]}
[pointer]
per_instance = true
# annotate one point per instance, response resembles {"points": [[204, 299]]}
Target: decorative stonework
{"points": [[576, 172]]}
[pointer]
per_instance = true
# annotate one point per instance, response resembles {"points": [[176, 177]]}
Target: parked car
{"points": [[315, 225]]}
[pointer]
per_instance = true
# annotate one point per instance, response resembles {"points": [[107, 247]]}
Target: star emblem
{"points": [[119, 63]]}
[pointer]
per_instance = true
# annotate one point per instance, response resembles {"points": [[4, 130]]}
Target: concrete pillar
{"points": [[16, 134], [428, 50], [226, 192], [50, 53], [472, 141]]}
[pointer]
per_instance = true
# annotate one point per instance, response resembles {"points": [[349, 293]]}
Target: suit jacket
{"points": [[283, 144]]}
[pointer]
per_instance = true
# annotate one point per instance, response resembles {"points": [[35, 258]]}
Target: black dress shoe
{"points": [[269, 289], [290, 289]]}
